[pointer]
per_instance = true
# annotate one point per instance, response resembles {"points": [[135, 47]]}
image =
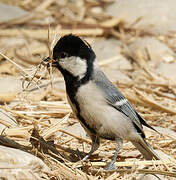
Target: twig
{"points": [[38, 67], [16, 65], [41, 33], [109, 60], [55, 127], [140, 171], [50, 56], [77, 137], [60, 79], [44, 5], [134, 163], [156, 92], [154, 104]]}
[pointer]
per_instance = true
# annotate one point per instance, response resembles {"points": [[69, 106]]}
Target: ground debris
{"points": [[137, 57]]}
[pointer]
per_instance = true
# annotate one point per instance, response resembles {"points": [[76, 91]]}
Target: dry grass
{"points": [[42, 111]]}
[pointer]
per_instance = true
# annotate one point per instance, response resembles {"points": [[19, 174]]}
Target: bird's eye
{"points": [[63, 55]]}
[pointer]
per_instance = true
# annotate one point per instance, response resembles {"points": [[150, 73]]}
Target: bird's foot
{"points": [[110, 167], [85, 158]]}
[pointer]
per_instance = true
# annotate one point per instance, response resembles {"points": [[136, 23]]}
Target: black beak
{"points": [[48, 62]]}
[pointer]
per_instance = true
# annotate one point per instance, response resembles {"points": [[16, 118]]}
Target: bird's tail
{"points": [[145, 149]]}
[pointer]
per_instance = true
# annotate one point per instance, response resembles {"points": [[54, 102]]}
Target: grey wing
{"points": [[118, 101]]}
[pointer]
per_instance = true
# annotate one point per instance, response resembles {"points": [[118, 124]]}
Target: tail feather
{"points": [[146, 150]]}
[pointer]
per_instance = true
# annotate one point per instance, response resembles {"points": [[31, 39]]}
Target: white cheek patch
{"points": [[75, 65]]}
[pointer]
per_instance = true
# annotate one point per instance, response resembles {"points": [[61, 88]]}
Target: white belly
{"points": [[104, 118]]}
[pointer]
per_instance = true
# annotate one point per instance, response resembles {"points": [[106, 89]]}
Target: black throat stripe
{"points": [[72, 86]]}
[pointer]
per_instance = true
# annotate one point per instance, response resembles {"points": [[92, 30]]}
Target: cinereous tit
{"points": [[100, 107]]}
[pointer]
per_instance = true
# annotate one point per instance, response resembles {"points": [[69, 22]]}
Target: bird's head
{"points": [[74, 56]]}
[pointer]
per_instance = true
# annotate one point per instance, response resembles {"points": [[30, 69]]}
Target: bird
{"points": [[100, 107]]}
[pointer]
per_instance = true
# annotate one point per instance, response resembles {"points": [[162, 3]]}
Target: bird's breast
{"points": [[91, 104], [94, 110], [98, 115]]}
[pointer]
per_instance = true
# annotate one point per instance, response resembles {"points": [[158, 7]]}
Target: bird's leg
{"points": [[110, 165], [94, 147]]}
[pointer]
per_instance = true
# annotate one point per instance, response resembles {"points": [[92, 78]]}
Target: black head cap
{"points": [[71, 45]]}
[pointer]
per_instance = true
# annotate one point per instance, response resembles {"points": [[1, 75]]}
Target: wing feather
{"points": [[115, 98]]}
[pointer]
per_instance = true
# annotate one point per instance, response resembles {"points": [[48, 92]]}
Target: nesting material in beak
{"points": [[48, 62]]}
